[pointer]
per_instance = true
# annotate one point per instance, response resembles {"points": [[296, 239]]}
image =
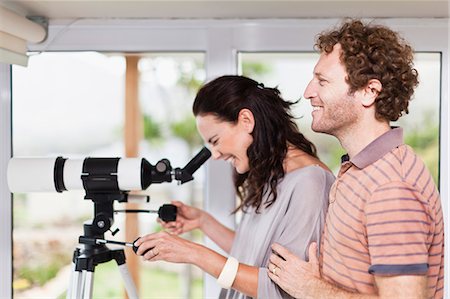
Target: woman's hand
{"points": [[188, 218], [166, 247], [291, 273]]}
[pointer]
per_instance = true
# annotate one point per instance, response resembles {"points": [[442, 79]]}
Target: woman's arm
{"points": [[171, 248], [246, 280], [216, 231]]}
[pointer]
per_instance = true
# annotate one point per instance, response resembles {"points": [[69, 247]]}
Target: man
{"points": [[384, 232]]}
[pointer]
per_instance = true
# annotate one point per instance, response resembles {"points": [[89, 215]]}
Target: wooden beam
{"points": [[133, 134]]}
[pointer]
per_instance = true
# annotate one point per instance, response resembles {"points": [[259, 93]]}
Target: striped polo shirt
{"points": [[384, 218]]}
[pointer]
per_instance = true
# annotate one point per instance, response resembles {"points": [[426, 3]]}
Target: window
{"points": [[71, 104], [291, 72]]}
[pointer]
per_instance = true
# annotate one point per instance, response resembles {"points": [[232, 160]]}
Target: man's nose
{"points": [[309, 91]]}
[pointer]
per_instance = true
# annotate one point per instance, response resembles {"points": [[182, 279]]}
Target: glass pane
{"points": [[72, 105], [291, 72], [421, 124]]}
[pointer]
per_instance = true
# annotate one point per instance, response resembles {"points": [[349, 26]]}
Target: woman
{"points": [[282, 184]]}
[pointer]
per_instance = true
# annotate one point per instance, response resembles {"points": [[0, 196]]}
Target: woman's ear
{"points": [[371, 92], [246, 120]]}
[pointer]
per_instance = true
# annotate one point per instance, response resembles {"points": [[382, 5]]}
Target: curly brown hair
{"points": [[274, 129], [375, 52]]}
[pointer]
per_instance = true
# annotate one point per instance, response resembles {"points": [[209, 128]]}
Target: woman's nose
{"points": [[215, 154]]}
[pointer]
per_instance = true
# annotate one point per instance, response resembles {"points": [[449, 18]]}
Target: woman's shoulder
{"points": [[308, 186], [311, 177], [311, 172]]}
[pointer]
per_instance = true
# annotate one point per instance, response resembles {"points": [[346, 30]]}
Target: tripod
{"points": [[91, 253], [86, 258], [100, 181]]}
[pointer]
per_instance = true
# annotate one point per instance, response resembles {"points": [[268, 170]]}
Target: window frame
{"points": [[220, 40]]}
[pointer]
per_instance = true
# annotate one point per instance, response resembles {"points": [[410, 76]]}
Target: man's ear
{"points": [[371, 92], [246, 120]]}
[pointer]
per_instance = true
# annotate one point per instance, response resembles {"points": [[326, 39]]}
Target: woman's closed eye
{"points": [[214, 142]]}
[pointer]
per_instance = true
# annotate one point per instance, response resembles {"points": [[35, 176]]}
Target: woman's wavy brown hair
{"points": [[375, 52], [274, 129]]}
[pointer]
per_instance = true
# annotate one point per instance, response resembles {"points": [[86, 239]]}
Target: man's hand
{"points": [[295, 276], [301, 279]]}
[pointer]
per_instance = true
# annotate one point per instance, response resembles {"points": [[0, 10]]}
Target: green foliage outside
{"points": [[333, 156], [189, 80], [425, 142], [252, 69], [152, 130], [186, 129], [37, 275]]}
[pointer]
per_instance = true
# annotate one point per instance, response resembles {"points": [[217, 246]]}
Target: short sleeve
{"points": [[398, 230]]}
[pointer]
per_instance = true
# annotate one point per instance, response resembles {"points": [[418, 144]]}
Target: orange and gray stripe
{"points": [[385, 218]]}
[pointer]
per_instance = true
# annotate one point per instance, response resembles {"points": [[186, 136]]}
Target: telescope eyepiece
{"points": [[185, 175]]}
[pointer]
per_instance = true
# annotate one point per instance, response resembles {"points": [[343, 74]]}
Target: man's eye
{"points": [[322, 82]]}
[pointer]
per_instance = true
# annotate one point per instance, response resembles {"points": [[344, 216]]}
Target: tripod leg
{"points": [[88, 284], [76, 285], [128, 282]]}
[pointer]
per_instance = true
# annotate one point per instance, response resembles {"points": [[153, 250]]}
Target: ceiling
{"points": [[216, 9]]}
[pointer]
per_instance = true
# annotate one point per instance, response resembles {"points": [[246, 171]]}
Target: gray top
{"points": [[295, 220]]}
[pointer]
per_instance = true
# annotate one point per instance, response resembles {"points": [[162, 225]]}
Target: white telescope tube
{"points": [[96, 175], [72, 174], [31, 175], [129, 174], [38, 174]]}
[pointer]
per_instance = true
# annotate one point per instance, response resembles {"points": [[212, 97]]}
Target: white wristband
{"points": [[228, 274]]}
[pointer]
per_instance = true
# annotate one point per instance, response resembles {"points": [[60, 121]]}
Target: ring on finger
{"points": [[274, 270]]}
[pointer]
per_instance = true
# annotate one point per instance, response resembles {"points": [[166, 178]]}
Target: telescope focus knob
{"points": [[168, 212], [163, 165]]}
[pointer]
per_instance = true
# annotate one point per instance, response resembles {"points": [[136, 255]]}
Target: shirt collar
{"points": [[377, 148]]}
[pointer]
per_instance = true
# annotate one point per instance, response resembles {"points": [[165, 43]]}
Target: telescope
{"points": [[104, 181], [96, 175]]}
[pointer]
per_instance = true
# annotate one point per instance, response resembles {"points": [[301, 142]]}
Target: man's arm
{"points": [[411, 287], [301, 279], [403, 286]]}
